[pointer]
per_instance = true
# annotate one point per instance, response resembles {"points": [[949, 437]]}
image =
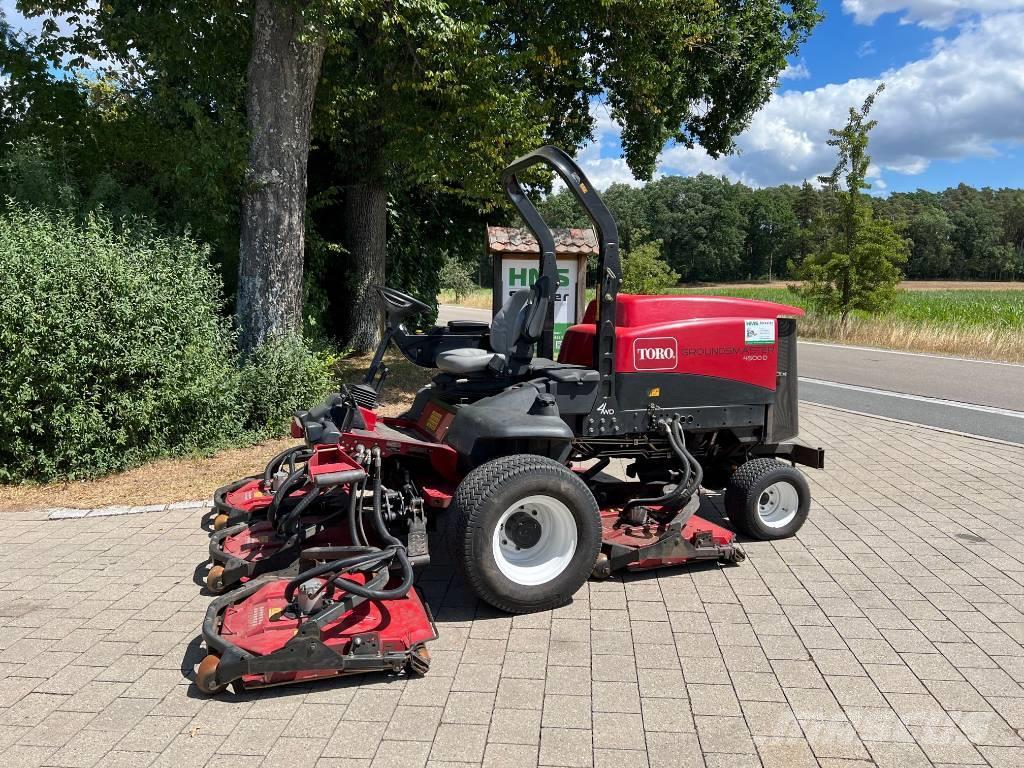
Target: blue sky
{"points": [[953, 109]]}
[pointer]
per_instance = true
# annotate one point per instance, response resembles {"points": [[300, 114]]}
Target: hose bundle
{"points": [[693, 473], [371, 557]]}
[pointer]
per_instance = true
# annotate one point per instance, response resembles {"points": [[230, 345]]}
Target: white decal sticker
{"points": [[759, 332]]}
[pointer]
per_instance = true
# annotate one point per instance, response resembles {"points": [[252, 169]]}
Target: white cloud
{"points": [[867, 48], [797, 71], [962, 100], [936, 14]]}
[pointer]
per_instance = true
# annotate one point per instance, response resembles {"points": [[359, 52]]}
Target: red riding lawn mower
{"points": [[320, 551]]}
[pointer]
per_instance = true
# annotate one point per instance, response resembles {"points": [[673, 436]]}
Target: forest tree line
{"points": [[711, 229]]}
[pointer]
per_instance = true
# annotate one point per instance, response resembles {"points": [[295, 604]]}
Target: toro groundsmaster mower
{"points": [[689, 391]]}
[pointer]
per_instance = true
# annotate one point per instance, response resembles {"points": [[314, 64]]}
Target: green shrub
{"points": [[645, 272], [114, 349], [281, 376], [457, 278]]}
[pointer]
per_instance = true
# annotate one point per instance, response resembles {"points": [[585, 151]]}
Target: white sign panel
{"points": [[517, 274]]}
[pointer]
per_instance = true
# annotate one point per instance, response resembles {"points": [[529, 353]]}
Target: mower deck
{"points": [[253, 638], [686, 537], [246, 550]]}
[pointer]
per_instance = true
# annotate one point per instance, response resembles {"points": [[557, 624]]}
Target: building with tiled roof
{"points": [[519, 240]]}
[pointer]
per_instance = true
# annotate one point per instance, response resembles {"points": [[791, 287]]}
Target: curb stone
{"points": [[67, 513]]}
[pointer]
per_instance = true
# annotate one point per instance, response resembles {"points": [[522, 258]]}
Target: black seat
{"points": [[514, 331]]}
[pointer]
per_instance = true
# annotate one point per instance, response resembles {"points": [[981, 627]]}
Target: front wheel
{"points": [[767, 499], [525, 534]]}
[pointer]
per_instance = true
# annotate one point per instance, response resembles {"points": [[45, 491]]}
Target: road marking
{"points": [[909, 354], [918, 398]]}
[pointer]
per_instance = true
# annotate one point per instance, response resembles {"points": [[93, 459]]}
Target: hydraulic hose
{"points": [[672, 497], [374, 556], [678, 442], [371, 557], [282, 493], [355, 496], [295, 513], [275, 463]]}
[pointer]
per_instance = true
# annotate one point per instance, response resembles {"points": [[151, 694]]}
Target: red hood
{"points": [[651, 310]]}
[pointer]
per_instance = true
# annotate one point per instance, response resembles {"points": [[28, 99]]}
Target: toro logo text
{"points": [[660, 353]]}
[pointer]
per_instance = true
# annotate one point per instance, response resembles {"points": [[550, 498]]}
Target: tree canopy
{"points": [[416, 100]]}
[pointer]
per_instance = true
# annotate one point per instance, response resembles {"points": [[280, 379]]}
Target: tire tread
{"points": [[737, 492], [475, 488]]}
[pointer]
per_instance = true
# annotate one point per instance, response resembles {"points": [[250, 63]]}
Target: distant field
{"points": [[983, 308], [906, 285], [966, 319], [969, 323]]}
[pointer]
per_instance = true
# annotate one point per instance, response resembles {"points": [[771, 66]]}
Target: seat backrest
{"points": [[508, 324], [518, 325]]}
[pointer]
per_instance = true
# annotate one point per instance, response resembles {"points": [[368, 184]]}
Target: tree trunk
{"points": [[282, 79], [366, 219]]}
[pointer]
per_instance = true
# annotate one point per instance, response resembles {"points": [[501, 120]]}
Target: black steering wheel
{"points": [[400, 305]]}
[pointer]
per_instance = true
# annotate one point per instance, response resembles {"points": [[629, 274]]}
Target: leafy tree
{"points": [[977, 235], [929, 231], [160, 134], [807, 208], [628, 204], [645, 272], [771, 232], [1011, 204], [456, 277], [862, 278], [700, 219], [859, 268]]}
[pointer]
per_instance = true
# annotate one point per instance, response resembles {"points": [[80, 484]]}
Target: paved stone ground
{"points": [[888, 633]]}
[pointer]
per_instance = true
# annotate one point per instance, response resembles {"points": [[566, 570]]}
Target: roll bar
{"points": [[609, 269]]}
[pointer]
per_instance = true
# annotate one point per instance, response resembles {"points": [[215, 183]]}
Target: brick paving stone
{"points": [[878, 636], [664, 714], [401, 754], [499, 755], [561, 711], [566, 747], [618, 731]]}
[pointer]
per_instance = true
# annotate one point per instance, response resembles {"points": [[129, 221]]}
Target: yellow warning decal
{"points": [[433, 421]]}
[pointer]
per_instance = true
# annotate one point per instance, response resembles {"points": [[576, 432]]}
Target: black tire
{"points": [[750, 484], [481, 499]]}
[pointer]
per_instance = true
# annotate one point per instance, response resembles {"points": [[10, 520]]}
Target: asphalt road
{"points": [[972, 396]]}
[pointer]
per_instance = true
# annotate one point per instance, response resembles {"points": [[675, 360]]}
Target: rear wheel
{"points": [[525, 532], [767, 499]]}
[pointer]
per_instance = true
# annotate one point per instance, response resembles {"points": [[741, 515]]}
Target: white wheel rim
{"points": [[549, 555], [778, 504]]}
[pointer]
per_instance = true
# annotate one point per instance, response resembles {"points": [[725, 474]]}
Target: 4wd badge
{"points": [[660, 353], [759, 332]]}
